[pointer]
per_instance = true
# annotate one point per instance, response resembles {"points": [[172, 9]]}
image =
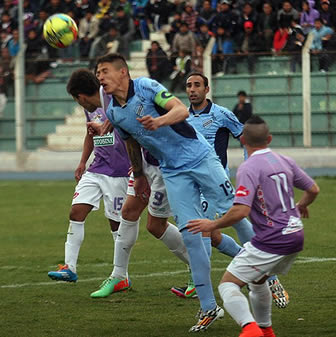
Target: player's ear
{"points": [[207, 89], [124, 71], [269, 139], [242, 140]]}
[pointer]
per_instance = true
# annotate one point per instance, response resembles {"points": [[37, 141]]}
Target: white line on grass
{"points": [[300, 260]]}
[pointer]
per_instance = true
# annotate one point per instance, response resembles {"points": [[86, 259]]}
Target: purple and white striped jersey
{"points": [[110, 152], [265, 182]]}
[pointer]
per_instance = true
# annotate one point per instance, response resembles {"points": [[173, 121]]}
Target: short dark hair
{"points": [[241, 93], [256, 131], [82, 81], [205, 79], [115, 58]]}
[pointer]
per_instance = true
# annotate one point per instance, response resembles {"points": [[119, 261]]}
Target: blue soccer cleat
{"points": [[63, 274]]}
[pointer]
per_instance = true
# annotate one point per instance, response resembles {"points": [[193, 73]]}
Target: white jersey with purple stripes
{"points": [[216, 123], [265, 182]]}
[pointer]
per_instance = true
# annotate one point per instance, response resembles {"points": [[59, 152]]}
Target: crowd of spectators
{"points": [[242, 31]]}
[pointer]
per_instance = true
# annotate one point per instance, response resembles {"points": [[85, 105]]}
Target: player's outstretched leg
{"points": [[200, 267], [189, 291], [74, 241], [225, 244], [236, 304], [118, 281], [261, 304]]}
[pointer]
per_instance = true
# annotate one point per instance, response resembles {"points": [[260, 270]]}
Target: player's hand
{"points": [[201, 225], [79, 172], [304, 212], [94, 128], [149, 122], [142, 188]]}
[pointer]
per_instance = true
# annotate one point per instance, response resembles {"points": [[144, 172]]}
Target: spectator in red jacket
{"points": [[280, 39]]}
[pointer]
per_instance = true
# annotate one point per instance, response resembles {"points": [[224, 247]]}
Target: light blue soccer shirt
{"points": [[215, 123], [177, 146]]}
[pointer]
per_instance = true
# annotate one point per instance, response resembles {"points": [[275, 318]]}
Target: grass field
{"points": [[33, 224]]}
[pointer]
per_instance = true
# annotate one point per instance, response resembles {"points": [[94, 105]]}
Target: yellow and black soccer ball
{"points": [[60, 30]]}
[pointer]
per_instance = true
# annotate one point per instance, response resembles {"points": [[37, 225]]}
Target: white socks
{"points": [[235, 303], [261, 304], [127, 236], [75, 238], [172, 238], [114, 235]]}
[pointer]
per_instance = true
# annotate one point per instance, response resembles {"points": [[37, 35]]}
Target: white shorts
{"points": [[158, 204], [94, 186], [252, 264]]}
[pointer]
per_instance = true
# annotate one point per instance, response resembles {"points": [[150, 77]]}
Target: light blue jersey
{"points": [[216, 123], [177, 146]]}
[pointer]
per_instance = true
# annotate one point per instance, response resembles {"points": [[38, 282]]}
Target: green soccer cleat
{"points": [[110, 286], [186, 292], [190, 292]]}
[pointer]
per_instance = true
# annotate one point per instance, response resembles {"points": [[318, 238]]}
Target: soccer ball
{"points": [[60, 30]]}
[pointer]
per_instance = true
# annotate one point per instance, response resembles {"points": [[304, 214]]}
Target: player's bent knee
{"points": [[132, 208], [157, 226], [79, 212]]}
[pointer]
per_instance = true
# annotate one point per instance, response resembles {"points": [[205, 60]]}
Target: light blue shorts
{"points": [[184, 190]]}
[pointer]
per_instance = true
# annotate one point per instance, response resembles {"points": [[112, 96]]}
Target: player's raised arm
{"points": [[176, 112]]}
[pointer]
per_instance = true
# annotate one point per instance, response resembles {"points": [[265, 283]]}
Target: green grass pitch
{"points": [[33, 225]]}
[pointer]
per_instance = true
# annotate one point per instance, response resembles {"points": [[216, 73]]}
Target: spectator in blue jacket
{"points": [[13, 43], [222, 58], [322, 35]]}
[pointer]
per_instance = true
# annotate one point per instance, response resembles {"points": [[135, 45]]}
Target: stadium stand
{"points": [[274, 90]]}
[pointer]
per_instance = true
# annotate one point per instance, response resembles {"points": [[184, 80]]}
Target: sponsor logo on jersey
{"points": [[106, 140], [98, 118], [294, 225], [207, 123], [76, 194], [242, 191], [139, 110]]}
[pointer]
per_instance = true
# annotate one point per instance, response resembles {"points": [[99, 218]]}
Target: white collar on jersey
{"points": [[261, 151]]}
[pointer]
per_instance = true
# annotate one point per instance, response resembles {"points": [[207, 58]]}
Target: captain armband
{"points": [[163, 97]]}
